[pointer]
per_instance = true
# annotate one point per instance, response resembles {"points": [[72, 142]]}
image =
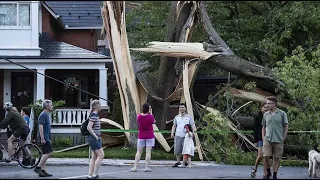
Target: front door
{"points": [[22, 89]]}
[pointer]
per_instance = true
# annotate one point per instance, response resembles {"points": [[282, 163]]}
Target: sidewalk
{"points": [[109, 162]]}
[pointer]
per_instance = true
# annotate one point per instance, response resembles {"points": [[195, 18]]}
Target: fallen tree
{"points": [[174, 51]]}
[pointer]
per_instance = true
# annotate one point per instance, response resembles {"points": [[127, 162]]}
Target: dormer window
{"points": [[14, 14]]}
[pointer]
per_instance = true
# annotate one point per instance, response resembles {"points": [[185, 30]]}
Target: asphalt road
{"points": [[158, 172]]}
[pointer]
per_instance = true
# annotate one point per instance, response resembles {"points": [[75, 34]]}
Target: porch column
{"points": [[40, 84], [103, 90], [6, 86]]}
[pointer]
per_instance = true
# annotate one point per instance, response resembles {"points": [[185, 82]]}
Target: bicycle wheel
{"points": [[28, 156]]}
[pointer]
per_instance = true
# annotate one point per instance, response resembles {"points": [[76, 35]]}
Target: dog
{"points": [[314, 163]]}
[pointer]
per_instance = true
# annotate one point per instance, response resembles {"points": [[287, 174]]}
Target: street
{"points": [[158, 172]]}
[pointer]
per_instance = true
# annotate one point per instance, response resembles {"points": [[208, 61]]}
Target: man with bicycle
{"points": [[18, 125]]}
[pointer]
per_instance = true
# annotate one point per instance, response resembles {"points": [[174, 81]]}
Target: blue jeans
{"points": [[260, 144]]}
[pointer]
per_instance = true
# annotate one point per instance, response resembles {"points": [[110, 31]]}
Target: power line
{"points": [[58, 80]]}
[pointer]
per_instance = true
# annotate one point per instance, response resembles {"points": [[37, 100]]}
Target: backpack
{"points": [[83, 128]]}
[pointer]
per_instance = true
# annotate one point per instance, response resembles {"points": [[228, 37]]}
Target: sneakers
{"points": [[93, 177], [182, 165], [46, 174], [133, 169], [38, 170], [269, 175], [42, 173], [147, 170], [176, 164]]}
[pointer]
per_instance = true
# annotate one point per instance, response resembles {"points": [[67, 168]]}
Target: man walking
{"points": [[274, 133], [44, 136], [178, 128]]}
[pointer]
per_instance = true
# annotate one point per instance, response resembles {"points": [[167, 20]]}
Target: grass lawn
{"points": [[119, 152], [116, 153]]}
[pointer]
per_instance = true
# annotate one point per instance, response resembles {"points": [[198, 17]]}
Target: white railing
{"points": [[71, 116]]}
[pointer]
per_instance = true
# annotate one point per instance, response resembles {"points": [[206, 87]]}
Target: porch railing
{"points": [[71, 117]]}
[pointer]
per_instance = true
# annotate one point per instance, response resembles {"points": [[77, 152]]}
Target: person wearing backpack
{"points": [[94, 139]]}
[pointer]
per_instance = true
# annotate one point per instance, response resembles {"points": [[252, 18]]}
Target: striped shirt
{"points": [[96, 123]]}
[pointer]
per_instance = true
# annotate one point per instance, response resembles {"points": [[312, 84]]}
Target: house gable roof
{"points": [[78, 14], [61, 50], [52, 49], [54, 14]]}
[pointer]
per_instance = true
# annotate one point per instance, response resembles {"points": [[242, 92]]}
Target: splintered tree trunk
{"points": [[132, 93], [114, 19], [218, 53], [179, 14]]}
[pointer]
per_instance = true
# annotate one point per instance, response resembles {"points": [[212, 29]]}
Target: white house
{"points": [[23, 41]]}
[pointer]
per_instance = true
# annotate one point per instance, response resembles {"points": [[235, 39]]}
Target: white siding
{"points": [[15, 38], [22, 41]]}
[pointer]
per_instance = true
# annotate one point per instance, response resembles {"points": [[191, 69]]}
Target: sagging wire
{"points": [[57, 80]]}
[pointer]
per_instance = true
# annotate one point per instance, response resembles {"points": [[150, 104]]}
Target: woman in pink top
{"points": [[145, 136]]}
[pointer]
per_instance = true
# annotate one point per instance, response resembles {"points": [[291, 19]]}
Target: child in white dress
{"points": [[188, 147]]}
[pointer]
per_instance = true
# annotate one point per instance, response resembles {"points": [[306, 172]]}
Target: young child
{"points": [[188, 147]]}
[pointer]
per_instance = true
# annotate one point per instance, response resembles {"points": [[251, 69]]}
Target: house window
{"points": [[14, 14], [103, 50]]}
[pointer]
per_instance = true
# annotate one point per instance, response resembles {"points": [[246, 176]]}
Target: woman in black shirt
{"points": [[257, 132]]}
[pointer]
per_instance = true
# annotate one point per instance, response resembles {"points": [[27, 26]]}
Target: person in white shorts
{"points": [[145, 136]]}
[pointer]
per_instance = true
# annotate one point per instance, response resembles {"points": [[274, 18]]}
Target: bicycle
{"points": [[28, 156]]}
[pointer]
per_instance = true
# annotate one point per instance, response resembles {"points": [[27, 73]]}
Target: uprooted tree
{"points": [[177, 55]]}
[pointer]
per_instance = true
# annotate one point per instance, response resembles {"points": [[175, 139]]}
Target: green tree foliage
{"points": [[265, 32], [145, 24], [219, 146], [283, 35], [302, 79]]}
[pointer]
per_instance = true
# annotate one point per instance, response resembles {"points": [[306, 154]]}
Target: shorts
{"points": [[94, 143], [46, 148], [22, 133], [272, 148], [145, 142], [260, 144], [178, 145]]}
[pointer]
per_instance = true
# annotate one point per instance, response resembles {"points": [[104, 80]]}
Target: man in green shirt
{"points": [[18, 125], [274, 133]]}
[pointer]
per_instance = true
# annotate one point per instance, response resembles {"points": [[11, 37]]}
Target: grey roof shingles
{"points": [[78, 13], [52, 49], [61, 50]]}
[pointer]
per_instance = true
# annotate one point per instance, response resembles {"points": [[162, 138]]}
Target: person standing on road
{"points": [[44, 136], [94, 138], [178, 132], [274, 133], [188, 147], [25, 113], [146, 136], [257, 133]]}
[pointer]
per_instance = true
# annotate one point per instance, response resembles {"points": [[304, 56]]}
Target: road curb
{"points": [[109, 162]]}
